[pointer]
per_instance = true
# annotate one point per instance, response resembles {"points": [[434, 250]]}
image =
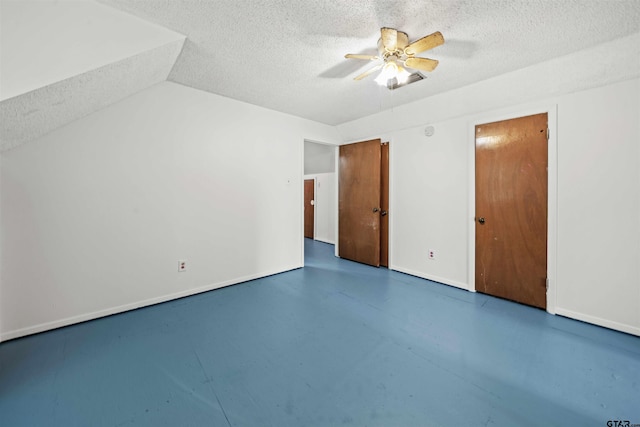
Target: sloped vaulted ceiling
{"points": [[286, 55], [62, 60]]}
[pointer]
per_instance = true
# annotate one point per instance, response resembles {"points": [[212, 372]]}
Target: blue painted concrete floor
{"points": [[336, 343]]}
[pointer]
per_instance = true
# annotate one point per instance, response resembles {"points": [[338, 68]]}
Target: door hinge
{"points": [[547, 283], [547, 134]]}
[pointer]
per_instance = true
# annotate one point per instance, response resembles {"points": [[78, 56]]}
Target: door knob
{"points": [[383, 213], [481, 220], [375, 210]]}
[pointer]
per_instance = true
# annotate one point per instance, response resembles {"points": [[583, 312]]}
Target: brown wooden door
{"points": [[384, 205], [359, 202], [511, 209], [308, 207]]}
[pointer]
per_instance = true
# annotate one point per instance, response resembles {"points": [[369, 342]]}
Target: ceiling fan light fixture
{"points": [[403, 76], [389, 71], [393, 49], [392, 72]]}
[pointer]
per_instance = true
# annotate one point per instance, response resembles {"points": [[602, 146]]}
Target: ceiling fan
{"points": [[396, 53]]}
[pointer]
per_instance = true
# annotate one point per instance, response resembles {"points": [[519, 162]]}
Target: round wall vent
{"points": [[429, 131]]}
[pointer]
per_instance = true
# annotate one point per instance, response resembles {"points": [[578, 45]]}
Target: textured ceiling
{"points": [[47, 41], [63, 59], [288, 55], [31, 115]]}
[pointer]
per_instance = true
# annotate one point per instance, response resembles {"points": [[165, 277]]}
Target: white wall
{"points": [[324, 207], [47, 41], [595, 226], [96, 215], [429, 202], [318, 158], [599, 206]]}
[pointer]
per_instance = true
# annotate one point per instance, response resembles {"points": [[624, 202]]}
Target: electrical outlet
{"points": [[182, 265], [432, 254]]}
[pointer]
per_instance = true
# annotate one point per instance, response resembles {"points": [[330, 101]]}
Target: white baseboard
{"points": [[331, 242], [442, 280], [622, 327], [54, 324]]}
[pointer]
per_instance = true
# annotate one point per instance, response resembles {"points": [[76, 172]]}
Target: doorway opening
{"points": [[320, 192]]}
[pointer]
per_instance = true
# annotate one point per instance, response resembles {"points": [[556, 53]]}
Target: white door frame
{"points": [[552, 193]]}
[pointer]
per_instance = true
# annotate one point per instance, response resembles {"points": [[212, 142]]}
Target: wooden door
{"points": [[359, 202], [511, 209], [309, 190], [384, 205]]}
